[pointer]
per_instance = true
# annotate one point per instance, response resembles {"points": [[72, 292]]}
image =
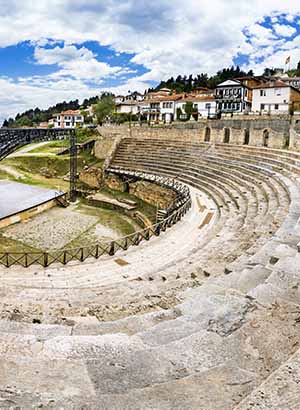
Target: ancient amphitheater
{"points": [[204, 316]]}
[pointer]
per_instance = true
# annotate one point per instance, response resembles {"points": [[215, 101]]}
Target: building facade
{"points": [[276, 97], [232, 96], [67, 119]]}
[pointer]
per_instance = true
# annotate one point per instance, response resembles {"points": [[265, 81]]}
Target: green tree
{"points": [[24, 121], [104, 108], [189, 109]]}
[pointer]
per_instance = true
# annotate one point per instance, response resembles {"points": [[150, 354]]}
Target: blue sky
{"points": [[58, 50]]}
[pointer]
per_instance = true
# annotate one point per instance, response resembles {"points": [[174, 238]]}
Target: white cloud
{"points": [[284, 30], [79, 63], [168, 38]]}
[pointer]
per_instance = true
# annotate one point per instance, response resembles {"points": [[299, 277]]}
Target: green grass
{"points": [[11, 245], [118, 222], [6, 175], [53, 147]]}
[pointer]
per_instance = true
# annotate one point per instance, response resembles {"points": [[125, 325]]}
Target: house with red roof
{"points": [[275, 97], [67, 119]]}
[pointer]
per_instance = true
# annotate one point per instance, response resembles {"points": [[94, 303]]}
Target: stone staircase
{"points": [[229, 340]]}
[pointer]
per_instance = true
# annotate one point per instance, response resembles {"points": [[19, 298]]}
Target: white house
{"points": [[118, 99], [161, 108], [276, 97], [67, 119], [128, 107], [205, 105]]}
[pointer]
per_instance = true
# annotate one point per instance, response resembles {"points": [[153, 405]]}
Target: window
{"points": [[208, 105], [276, 106], [262, 93], [262, 106], [278, 91], [238, 106], [68, 124], [246, 93]]}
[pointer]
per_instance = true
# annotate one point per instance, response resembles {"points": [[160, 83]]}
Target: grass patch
{"points": [[12, 245], [117, 222], [52, 147]]}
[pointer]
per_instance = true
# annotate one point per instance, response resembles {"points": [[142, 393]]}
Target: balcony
{"points": [[230, 98]]}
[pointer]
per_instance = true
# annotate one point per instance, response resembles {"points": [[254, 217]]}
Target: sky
{"points": [[56, 50]]}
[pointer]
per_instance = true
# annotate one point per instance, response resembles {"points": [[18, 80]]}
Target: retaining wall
{"points": [[280, 132]]}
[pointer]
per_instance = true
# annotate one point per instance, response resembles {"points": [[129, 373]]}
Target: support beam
{"points": [[73, 166]]}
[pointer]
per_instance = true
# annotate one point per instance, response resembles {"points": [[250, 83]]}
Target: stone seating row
{"points": [[231, 343]]}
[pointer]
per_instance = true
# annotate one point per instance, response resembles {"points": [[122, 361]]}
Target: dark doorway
{"points": [[226, 136], [207, 134], [246, 136], [265, 138]]}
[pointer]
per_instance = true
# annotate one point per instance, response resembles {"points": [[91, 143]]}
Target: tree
{"points": [[24, 121], [189, 109], [5, 123], [104, 108]]}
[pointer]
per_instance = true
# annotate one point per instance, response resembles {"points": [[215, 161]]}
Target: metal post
{"points": [[73, 166]]}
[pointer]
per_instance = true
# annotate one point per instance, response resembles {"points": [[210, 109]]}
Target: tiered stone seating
{"points": [[211, 325], [246, 182]]}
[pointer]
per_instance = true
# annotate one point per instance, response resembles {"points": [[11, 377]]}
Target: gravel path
{"points": [[28, 148]]}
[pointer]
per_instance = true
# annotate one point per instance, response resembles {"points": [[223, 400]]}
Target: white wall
{"points": [[127, 109], [168, 112], [201, 106], [280, 96]]}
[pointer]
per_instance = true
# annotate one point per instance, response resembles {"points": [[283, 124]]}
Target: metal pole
{"points": [[73, 166]]}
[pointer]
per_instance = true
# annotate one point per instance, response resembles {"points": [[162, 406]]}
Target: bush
{"points": [[122, 117], [84, 134]]}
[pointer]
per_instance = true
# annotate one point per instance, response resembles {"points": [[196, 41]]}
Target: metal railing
{"points": [[174, 214], [13, 138]]}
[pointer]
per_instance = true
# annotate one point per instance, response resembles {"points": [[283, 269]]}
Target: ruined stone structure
{"points": [[206, 316], [280, 132]]}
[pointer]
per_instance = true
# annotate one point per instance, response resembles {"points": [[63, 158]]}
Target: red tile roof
{"points": [[70, 112]]}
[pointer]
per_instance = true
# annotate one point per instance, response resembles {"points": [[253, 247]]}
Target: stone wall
{"points": [[278, 132], [116, 183], [153, 194], [92, 177], [106, 146], [148, 192]]}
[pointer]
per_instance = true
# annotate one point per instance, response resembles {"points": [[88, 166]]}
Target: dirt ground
{"points": [[58, 227]]}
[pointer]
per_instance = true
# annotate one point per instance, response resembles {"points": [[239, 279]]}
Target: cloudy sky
{"points": [[54, 50]]}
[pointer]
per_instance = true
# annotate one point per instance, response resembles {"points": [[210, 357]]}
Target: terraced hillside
{"points": [[205, 316]]}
